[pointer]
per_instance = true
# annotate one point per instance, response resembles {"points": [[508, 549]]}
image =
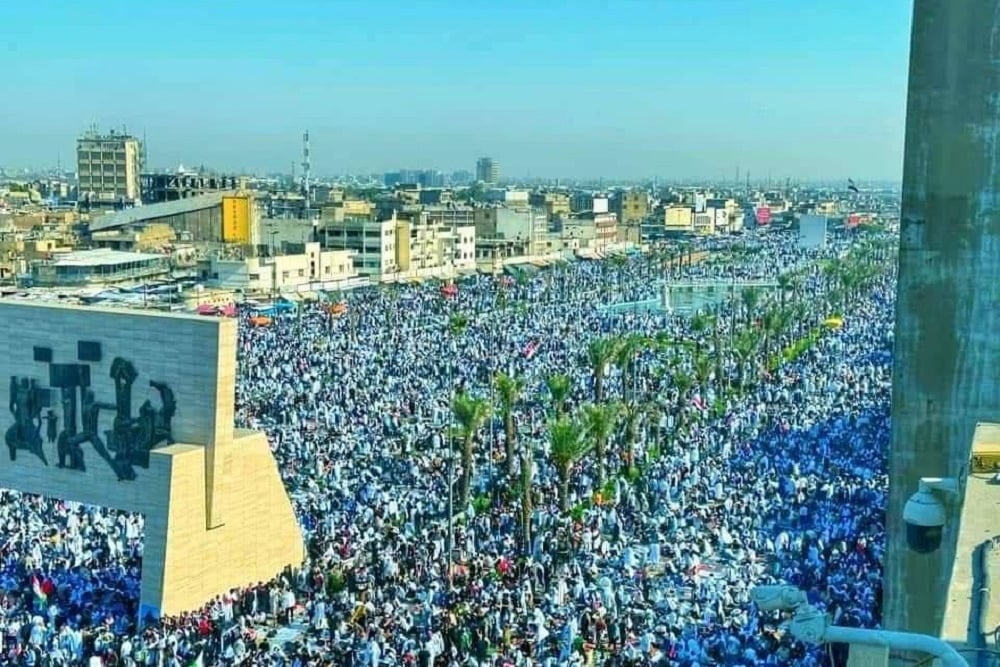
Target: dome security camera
{"points": [[925, 516]]}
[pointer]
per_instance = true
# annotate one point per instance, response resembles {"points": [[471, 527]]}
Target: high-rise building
{"points": [[109, 168], [487, 170]]}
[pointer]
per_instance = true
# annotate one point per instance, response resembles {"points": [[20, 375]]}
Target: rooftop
{"points": [[101, 257], [152, 211]]}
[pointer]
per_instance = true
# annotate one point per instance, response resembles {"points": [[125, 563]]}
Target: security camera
{"points": [[924, 514], [777, 598]]}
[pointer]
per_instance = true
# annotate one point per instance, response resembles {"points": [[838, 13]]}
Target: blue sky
{"points": [[622, 88]]}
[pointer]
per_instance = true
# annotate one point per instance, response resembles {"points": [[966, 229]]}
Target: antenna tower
{"points": [[305, 167]]}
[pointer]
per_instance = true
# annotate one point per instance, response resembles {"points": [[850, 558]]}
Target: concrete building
{"points": [[97, 267], [312, 269], [428, 247], [945, 375], [487, 170], [219, 218], [631, 206], [678, 219], [108, 168], [372, 243], [508, 196], [554, 204], [137, 238], [158, 188], [593, 230]]}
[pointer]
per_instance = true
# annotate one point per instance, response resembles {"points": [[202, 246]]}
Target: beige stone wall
{"points": [[217, 515]]}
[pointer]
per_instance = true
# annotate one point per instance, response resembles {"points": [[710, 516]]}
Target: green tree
{"points": [[559, 386], [470, 413], [600, 353], [787, 282], [567, 446], [599, 420], [509, 392], [750, 297], [743, 350]]}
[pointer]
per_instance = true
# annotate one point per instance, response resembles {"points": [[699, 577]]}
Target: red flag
{"points": [[530, 349]]}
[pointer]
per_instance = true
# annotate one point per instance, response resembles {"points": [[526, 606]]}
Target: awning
{"points": [[541, 263]]}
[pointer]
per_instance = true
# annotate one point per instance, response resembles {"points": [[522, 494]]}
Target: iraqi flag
{"points": [[41, 597], [531, 348]]}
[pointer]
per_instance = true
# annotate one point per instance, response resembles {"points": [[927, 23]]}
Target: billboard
{"points": [[721, 218], [812, 231], [236, 214], [763, 215], [700, 202]]}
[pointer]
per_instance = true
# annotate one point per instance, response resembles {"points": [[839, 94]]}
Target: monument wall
{"points": [[134, 410]]}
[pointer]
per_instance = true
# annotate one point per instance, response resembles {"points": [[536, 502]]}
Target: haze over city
{"points": [[631, 89]]}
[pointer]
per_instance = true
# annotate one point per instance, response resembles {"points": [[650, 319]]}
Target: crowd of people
{"points": [[741, 477]]}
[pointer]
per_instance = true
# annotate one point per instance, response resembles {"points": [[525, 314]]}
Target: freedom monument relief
{"points": [[134, 410]]}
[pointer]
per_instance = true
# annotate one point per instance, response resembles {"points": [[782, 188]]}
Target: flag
{"points": [[197, 662], [41, 597], [852, 187], [531, 348]]}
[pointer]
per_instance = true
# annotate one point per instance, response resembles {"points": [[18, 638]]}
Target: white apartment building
{"points": [[314, 269]]}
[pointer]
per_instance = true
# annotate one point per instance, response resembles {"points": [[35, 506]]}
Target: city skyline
{"points": [[564, 90]]}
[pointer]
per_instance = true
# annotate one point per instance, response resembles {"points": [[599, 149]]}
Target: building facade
{"points": [[487, 170], [97, 267], [314, 269], [108, 168], [157, 188], [631, 206]]}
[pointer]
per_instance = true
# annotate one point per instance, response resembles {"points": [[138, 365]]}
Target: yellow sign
{"points": [[236, 219]]}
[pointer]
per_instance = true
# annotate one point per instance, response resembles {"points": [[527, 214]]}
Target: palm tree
{"points": [[527, 464], [599, 420], [786, 283], [769, 324], [702, 370], [567, 446], [626, 353], [470, 413], [509, 392], [700, 323], [559, 386], [750, 296], [743, 349], [600, 353]]}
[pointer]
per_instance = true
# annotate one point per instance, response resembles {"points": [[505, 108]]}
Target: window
{"points": [[302, 273]]}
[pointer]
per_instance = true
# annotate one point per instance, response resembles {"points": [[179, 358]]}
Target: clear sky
{"points": [[574, 88]]}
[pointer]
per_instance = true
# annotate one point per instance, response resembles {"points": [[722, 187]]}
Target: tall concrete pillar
{"points": [[947, 345]]}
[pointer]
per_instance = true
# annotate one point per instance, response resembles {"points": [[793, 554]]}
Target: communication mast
{"points": [[305, 168]]}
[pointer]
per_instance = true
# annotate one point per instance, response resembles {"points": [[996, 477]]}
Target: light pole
{"points": [[319, 255], [274, 267]]}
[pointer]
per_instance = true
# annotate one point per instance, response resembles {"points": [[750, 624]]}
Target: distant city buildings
{"points": [[487, 170], [108, 169]]}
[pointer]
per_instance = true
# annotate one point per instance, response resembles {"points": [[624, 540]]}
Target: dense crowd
{"points": [[774, 473]]}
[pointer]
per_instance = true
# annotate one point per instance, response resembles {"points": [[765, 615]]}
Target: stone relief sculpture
{"points": [[125, 445]]}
